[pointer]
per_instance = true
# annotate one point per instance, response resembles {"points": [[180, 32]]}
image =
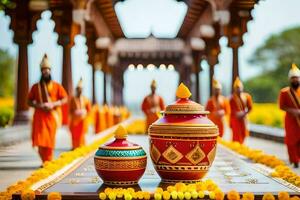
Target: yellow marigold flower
{"points": [[180, 195], [180, 187], [171, 188], [102, 196], [275, 174], [166, 195], [134, 195], [187, 195], [201, 194], [120, 194], [127, 196], [54, 196], [268, 196], [140, 195], [157, 196], [191, 187], [233, 195], [194, 194], [147, 195], [174, 194], [210, 185], [27, 195], [200, 186], [108, 190], [159, 190], [212, 195], [112, 196], [130, 190], [283, 196], [219, 194], [248, 196]]}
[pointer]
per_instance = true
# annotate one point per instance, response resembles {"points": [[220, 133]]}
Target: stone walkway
{"points": [[18, 160]]}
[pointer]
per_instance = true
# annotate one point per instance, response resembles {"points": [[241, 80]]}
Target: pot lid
{"points": [[121, 142], [184, 105]]}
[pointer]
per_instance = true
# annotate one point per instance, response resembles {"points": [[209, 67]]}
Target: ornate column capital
{"points": [[23, 21], [62, 15]]}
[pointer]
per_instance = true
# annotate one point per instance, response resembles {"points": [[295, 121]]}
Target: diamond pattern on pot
{"points": [[195, 155], [211, 155], [155, 154], [172, 154]]}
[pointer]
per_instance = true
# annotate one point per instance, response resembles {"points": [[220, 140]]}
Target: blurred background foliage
{"points": [[275, 57], [7, 79], [6, 4]]}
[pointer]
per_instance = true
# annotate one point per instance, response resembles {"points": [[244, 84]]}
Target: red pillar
{"points": [[66, 29], [23, 23], [22, 87], [235, 64], [90, 41]]}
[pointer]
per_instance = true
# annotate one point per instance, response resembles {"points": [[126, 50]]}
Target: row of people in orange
{"points": [[106, 117], [237, 108], [239, 105]]}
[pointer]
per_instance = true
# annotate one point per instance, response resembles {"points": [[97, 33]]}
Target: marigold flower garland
{"points": [[281, 170]]}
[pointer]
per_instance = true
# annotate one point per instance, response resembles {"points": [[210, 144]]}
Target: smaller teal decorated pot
{"points": [[120, 162]]}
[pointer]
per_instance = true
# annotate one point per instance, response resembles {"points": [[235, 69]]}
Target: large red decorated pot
{"points": [[120, 162], [183, 142]]}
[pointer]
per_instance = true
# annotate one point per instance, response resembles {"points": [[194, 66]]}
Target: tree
{"points": [[6, 4], [7, 72], [275, 57]]}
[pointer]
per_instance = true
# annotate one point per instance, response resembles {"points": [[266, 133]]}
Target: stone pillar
{"points": [[23, 23]]}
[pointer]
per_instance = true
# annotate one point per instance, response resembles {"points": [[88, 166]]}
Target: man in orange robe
{"points": [[80, 107], [46, 97], [152, 105], [240, 106], [218, 106], [289, 101]]}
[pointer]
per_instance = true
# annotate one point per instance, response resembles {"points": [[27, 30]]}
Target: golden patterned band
{"points": [[183, 169], [119, 158], [185, 109], [120, 164], [177, 181], [184, 131], [120, 182], [120, 148]]}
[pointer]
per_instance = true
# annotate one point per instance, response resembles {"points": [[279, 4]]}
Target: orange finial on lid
{"points": [[183, 91], [121, 132]]}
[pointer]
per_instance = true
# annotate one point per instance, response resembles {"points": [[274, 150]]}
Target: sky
{"points": [[162, 18]]}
